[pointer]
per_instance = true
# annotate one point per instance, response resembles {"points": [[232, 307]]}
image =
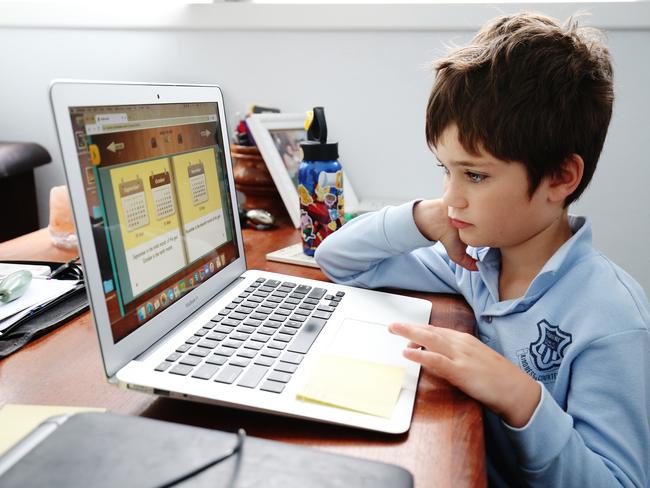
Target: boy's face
{"points": [[487, 198]]}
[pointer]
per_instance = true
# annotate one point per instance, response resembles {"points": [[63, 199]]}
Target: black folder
{"points": [[108, 450], [55, 314]]}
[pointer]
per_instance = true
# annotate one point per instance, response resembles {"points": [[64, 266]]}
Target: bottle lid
{"points": [[316, 147]]}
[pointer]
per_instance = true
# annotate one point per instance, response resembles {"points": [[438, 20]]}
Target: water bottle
{"points": [[320, 185]]}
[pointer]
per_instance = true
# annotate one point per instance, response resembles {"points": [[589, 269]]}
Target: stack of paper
{"points": [[39, 293], [292, 255], [35, 269]]}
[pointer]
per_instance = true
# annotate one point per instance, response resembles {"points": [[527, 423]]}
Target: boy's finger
{"points": [[399, 328], [466, 261], [437, 363], [460, 340], [423, 335], [469, 263]]}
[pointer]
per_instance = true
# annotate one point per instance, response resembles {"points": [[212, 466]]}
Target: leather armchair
{"points": [[17, 189]]}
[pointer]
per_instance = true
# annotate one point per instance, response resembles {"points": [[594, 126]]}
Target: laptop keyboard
{"points": [[259, 339]]}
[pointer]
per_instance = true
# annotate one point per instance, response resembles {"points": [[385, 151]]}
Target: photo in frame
{"points": [[278, 137]]}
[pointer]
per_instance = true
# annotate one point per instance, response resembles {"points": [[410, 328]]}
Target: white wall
{"points": [[373, 84]]}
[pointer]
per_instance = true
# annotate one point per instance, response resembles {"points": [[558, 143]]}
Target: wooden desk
{"points": [[444, 446]]}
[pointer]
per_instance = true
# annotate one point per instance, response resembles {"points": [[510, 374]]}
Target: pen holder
{"points": [[61, 226], [253, 180]]}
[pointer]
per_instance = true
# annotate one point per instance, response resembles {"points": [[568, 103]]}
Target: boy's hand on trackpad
{"points": [[474, 368]]}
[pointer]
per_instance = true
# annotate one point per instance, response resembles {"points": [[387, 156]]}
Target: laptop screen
{"points": [[157, 192]]}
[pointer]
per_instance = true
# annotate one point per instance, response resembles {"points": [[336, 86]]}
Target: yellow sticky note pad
{"points": [[362, 386], [16, 421]]}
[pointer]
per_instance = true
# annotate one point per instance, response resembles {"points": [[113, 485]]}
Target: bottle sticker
{"points": [[321, 208]]}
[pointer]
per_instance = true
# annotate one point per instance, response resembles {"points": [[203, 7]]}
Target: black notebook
{"points": [[49, 317], [108, 450]]}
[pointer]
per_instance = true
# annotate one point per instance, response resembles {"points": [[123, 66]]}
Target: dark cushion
{"points": [[18, 157]]}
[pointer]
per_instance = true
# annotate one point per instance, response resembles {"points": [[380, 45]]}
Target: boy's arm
{"points": [[386, 248], [603, 437]]}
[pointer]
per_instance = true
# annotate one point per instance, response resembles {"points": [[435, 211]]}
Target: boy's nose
{"points": [[452, 196]]}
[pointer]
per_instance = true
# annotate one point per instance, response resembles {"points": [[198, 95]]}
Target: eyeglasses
{"points": [[68, 271], [241, 435]]}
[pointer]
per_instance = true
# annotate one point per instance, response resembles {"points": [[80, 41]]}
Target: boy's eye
{"points": [[475, 177]]}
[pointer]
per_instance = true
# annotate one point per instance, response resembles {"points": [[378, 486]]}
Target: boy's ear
{"points": [[564, 181]]}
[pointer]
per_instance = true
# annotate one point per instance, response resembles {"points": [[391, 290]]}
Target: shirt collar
{"points": [[573, 249], [557, 266]]}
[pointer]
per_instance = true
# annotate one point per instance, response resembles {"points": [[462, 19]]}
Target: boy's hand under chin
{"points": [[432, 221], [474, 368]]}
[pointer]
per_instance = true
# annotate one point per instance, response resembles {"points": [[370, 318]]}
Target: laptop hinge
{"points": [[144, 354]]}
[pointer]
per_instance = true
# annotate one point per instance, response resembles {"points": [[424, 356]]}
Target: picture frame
{"points": [[278, 137]]}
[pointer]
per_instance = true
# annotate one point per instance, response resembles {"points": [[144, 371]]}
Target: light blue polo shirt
{"points": [[582, 330]]}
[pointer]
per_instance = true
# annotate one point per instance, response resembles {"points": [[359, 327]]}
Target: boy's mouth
{"points": [[459, 224]]}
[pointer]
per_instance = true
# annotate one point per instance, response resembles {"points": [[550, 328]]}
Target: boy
{"points": [[517, 121]]}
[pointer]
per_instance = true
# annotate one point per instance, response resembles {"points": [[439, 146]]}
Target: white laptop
{"points": [[177, 313]]}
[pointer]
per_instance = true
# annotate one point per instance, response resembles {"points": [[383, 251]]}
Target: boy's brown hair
{"points": [[529, 90]]}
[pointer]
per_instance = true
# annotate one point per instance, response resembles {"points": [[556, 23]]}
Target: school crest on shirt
{"points": [[548, 350], [544, 355]]}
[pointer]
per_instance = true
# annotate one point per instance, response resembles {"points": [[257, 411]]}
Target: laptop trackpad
{"points": [[368, 341]]}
